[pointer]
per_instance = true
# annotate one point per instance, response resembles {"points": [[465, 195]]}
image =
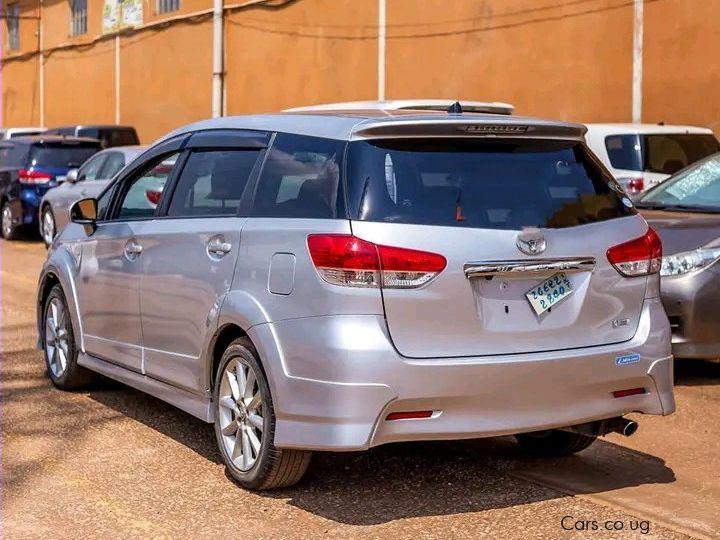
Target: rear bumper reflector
{"points": [[408, 415], [629, 392]]}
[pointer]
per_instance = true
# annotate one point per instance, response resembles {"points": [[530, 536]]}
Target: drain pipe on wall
{"points": [[637, 76], [382, 18], [41, 64], [218, 52]]}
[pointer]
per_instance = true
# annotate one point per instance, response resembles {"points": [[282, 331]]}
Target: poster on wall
{"points": [[118, 14]]}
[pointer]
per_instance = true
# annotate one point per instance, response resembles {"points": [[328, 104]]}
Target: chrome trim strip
{"points": [[534, 266]]}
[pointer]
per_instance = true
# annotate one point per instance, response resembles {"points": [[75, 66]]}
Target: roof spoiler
{"points": [[461, 127]]}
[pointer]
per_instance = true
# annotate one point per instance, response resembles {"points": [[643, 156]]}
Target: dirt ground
{"points": [[112, 462]]}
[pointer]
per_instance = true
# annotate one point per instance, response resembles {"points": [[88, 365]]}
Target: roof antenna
{"points": [[455, 108]]}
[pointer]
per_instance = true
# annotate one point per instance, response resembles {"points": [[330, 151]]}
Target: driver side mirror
{"points": [[72, 176], [84, 212]]}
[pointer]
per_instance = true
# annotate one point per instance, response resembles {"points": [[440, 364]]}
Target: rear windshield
{"points": [[61, 155], [664, 153], [498, 184]]}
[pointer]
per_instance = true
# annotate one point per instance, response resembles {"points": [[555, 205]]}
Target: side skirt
{"points": [[198, 406]]}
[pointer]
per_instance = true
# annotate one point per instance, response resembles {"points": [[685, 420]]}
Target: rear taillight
{"points": [[153, 196], [634, 186], [638, 257], [353, 262], [28, 176]]}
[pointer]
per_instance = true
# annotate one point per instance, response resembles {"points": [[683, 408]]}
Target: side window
{"points": [[143, 195], [114, 162], [89, 169], [300, 179], [212, 183]]}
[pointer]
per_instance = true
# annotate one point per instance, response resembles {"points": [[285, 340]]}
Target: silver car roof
{"points": [[354, 125]]}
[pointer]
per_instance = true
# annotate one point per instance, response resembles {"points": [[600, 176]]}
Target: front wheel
{"points": [[245, 424], [47, 226], [554, 442]]}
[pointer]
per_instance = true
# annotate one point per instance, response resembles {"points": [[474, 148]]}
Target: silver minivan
{"points": [[336, 281]]}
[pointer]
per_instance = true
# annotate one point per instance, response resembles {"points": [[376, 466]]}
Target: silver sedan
{"points": [[87, 181]]}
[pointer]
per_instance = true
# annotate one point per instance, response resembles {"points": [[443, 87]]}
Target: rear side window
{"points": [[664, 153], [495, 184], [212, 183], [13, 155], [301, 179], [111, 137], [61, 155]]}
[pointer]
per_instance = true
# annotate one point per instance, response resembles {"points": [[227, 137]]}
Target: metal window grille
{"points": [[78, 17], [164, 6], [13, 26]]}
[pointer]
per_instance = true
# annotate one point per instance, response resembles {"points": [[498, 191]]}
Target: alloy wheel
{"points": [[48, 227], [240, 414], [56, 338], [6, 222]]}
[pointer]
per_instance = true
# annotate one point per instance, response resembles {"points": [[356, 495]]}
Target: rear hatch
{"points": [[510, 216]]}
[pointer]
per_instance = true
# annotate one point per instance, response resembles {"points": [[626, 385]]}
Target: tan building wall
{"points": [[554, 58]]}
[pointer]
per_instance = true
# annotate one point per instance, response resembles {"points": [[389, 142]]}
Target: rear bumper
{"points": [[691, 304], [335, 379]]}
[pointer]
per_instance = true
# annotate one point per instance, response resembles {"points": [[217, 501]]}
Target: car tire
{"points": [[8, 230], [245, 424], [47, 225], [59, 347], [554, 443]]}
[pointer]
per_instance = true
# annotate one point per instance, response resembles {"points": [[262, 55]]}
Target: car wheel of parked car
{"points": [[59, 345], [47, 226], [245, 423], [9, 230], [554, 442]]}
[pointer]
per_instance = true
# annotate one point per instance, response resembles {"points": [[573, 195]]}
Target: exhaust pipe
{"points": [[603, 427], [621, 425]]}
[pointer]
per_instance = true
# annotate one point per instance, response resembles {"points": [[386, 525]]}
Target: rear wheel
{"points": [[7, 227], [47, 226], [554, 442], [59, 345], [245, 424]]}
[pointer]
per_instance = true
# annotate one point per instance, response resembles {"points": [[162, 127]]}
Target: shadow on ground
{"points": [[696, 372], [411, 479]]}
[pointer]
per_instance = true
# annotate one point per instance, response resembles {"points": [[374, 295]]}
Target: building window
{"points": [[13, 26], [78, 17], [164, 6]]}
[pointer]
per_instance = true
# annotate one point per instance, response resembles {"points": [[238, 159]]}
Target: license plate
{"points": [[549, 293]]}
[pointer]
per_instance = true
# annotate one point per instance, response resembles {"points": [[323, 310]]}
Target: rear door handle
{"points": [[132, 250], [218, 247]]}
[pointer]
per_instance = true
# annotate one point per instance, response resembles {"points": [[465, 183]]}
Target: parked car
{"points": [[29, 167], [341, 281], [412, 105], [685, 211], [643, 155], [11, 133], [109, 135], [87, 181]]}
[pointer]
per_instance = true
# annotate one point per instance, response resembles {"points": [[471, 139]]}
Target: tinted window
{"points": [[301, 179], [90, 169], [111, 136], [13, 155], [212, 183], [477, 183], [115, 161], [143, 195], [24, 134], [61, 155], [659, 153]]}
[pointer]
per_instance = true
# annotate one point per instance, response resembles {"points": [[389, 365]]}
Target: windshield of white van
{"points": [[493, 184]]}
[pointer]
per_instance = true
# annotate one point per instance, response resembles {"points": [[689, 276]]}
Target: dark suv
{"points": [[108, 135], [29, 166]]}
